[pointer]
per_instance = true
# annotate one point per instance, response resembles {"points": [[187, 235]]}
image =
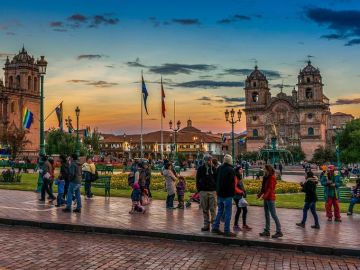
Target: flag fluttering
{"points": [[59, 114], [28, 118], [163, 109], [223, 138], [145, 93]]}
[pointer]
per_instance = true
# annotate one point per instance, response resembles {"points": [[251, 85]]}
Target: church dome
{"points": [[23, 57], [256, 75], [310, 69]]}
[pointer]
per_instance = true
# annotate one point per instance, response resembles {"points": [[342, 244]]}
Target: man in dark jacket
{"points": [[46, 175], [75, 185], [206, 186], [225, 190]]}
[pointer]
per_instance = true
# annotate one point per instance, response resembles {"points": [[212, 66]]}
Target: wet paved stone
{"points": [[31, 248], [114, 213]]}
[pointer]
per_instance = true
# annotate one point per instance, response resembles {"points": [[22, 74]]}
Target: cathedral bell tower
{"points": [[310, 87], [257, 92]]}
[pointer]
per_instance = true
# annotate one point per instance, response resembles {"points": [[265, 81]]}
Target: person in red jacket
{"points": [[268, 195]]}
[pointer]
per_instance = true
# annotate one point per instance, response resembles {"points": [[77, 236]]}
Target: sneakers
{"points": [[67, 210], [349, 213], [315, 227], [264, 233], [277, 235], [229, 234], [246, 228], [236, 228], [205, 229], [216, 231], [77, 210], [300, 224]]}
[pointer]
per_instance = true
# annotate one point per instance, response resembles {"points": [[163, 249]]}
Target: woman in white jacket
{"points": [[170, 180]]}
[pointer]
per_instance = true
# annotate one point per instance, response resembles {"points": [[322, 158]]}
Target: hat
{"points": [[331, 167], [207, 157], [228, 159]]}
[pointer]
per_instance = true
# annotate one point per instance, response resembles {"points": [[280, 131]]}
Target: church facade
{"points": [[21, 90], [301, 119]]}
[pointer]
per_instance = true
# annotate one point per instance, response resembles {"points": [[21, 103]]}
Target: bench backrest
{"points": [[344, 193]]}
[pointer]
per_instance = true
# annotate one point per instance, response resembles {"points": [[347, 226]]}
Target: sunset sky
{"points": [[203, 49]]}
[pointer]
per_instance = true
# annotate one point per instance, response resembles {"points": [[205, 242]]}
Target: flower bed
{"points": [[119, 181]]}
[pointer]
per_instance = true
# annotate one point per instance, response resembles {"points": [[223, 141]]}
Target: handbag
{"points": [[243, 202], [144, 200]]}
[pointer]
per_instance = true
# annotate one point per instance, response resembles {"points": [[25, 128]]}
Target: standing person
{"points": [[180, 190], [135, 199], [52, 162], [46, 174], [355, 197], [170, 179], [60, 197], [309, 187], [75, 185], [240, 193], [206, 186], [64, 173], [268, 195], [280, 168], [225, 190], [88, 171], [147, 170], [331, 183]]}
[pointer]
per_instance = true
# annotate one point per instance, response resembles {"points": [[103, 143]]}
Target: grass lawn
{"points": [[295, 200]]}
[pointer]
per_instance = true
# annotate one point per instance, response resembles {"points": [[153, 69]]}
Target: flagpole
{"points": [[141, 134], [161, 116]]}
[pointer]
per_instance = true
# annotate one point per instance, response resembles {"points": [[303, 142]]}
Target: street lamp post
{"points": [[337, 131], [77, 111], [175, 129], [232, 122], [42, 64]]}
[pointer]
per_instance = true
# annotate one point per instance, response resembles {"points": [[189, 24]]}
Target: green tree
{"points": [[93, 142], [349, 142], [15, 138], [62, 143], [297, 153], [323, 155]]}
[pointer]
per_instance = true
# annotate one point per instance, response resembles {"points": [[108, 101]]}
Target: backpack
{"points": [[131, 178]]}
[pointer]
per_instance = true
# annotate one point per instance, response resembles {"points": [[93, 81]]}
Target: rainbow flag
{"points": [[28, 118]]}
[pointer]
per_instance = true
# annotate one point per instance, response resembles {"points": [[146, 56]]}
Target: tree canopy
{"points": [[349, 142]]}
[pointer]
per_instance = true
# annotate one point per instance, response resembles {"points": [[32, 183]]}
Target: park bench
{"points": [[4, 163], [101, 168], [344, 193], [103, 181], [24, 166], [253, 172]]}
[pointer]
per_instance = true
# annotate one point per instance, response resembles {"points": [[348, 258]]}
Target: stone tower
{"points": [[21, 90]]}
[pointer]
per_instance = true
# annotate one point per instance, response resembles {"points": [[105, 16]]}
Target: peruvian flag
{"points": [[162, 99]]}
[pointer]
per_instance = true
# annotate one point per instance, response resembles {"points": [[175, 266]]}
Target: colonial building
{"points": [[301, 119], [190, 141], [20, 91]]}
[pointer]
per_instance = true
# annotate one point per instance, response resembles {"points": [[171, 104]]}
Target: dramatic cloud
{"points": [[80, 20], [345, 23], [89, 56], [345, 101], [209, 84], [173, 69], [270, 74], [232, 99], [186, 21], [234, 18], [279, 85], [99, 84], [135, 63], [205, 98]]}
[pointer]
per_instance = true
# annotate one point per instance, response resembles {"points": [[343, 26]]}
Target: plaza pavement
{"points": [[112, 216]]}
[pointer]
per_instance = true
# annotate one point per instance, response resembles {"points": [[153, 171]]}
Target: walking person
{"points": [[170, 180], [206, 187], [64, 173], [331, 183], [267, 193], [46, 175], [88, 171], [75, 185], [309, 187], [225, 190], [280, 168], [148, 178], [355, 197], [241, 206]]}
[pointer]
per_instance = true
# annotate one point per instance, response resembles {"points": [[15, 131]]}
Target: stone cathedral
{"points": [[21, 89], [302, 119]]}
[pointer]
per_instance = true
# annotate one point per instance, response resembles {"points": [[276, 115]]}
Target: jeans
{"points": [[170, 201], [208, 204], [224, 206], [238, 212], [147, 185], [66, 188], [46, 188], [88, 189], [352, 203], [269, 208], [60, 199], [73, 188], [312, 207]]}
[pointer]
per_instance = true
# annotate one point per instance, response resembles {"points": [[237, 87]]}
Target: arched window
{"points": [[309, 93], [11, 82], [310, 131], [255, 133], [35, 85], [29, 83], [307, 79], [254, 84], [255, 96], [12, 107], [17, 86]]}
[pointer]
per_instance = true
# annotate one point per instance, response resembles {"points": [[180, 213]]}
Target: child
{"points": [[61, 187], [135, 198], [180, 190], [309, 187]]}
